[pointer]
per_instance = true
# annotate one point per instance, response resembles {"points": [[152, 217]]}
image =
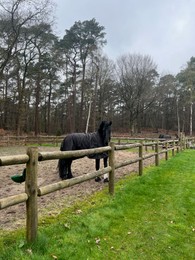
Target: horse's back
{"points": [[164, 136], [76, 141]]}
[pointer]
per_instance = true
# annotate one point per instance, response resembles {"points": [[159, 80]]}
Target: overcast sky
{"points": [[163, 29]]}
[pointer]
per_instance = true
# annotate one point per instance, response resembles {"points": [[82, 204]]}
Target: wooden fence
{"points": [[9, 140], [56, 140], [32, 157], [26, 140]]}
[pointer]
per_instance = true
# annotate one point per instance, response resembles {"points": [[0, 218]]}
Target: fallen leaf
{"points": [[66, 225], [22, 243], [29, 251], [97, 240], [79, 211]]}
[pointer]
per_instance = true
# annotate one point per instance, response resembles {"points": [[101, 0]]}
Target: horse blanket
{"points": [[79, 141]]}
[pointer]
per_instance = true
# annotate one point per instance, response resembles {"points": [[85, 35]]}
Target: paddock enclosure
{"points": [[144, 149]]}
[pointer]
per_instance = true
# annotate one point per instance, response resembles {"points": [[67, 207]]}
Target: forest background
{"points": [[52, 85]]}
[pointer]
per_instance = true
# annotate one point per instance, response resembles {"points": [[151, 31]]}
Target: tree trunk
{"points": [[88, 117], [191, 112], [37, 102], [82, 98], [20, 105], [95, 98], [72, 127], [49, 107]]}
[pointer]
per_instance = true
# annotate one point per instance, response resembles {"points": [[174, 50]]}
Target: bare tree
{"points": [[101, 89], [136, 80], [17, 17], [14, 15]]}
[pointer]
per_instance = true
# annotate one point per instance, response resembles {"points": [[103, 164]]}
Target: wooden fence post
{"points": [[146, 148], [152, 146], [112, 165], [166, 153], [141, 159], [173, 150], [157, 154], [31, 190]]}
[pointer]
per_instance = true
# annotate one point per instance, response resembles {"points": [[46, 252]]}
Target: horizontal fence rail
{"points": [[31, 158], [13, 200], [71, 154], [12, 160], [71, 182]]}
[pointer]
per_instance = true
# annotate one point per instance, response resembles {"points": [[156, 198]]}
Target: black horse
{"points": [[78, 141], [163, 136]]}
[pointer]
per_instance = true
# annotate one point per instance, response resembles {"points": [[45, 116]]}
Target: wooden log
{"points": [[173, 149], [126, 146], [112, 172], [156, 154], [13, 200], [166, 153], [14, 159], [31, 190], [161, 152], [150, 144], [145, 157], [141, 160], [71, 182], [125, 163], [71, 154], [133, 139]]}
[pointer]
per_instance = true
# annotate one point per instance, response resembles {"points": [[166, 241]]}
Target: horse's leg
{"points": [[97, 164], [105, 165], [69, 176], [97, 167], [62, 165]]}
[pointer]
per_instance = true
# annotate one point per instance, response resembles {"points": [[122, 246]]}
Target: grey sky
{"points": [[163, 29]]}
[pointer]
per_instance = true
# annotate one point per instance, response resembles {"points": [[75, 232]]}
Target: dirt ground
{"points": [[14, 217]]}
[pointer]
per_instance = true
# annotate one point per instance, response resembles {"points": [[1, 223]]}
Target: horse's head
{"points": [[105, 131]]}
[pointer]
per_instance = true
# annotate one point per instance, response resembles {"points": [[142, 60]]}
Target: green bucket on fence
{"points": [[19, 178]]}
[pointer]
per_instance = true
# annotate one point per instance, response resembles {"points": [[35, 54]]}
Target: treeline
{"points": [[57, 85]]}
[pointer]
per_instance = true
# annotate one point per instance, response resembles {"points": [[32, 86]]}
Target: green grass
{"points": [[149, 217]]}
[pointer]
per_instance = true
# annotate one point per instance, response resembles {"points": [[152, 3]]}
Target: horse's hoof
{"points": [[64, 177], [98, 179], [106, 180]]}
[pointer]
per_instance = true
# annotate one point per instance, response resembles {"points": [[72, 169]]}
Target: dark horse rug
{"points": [[80, 141]]}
